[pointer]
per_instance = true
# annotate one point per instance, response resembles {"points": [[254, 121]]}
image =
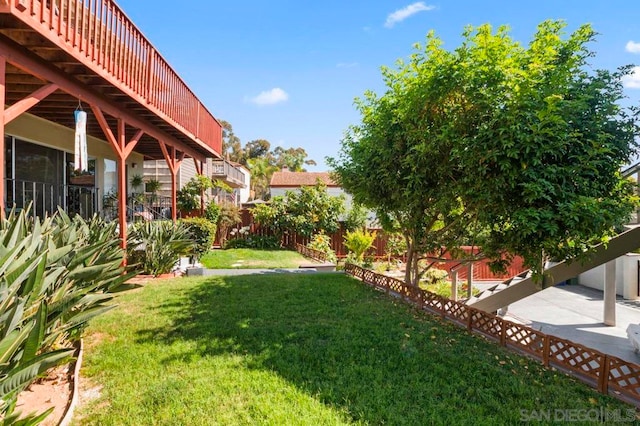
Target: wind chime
{"points": [[80, 152]]}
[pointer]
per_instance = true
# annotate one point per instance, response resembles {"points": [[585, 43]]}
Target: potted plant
{"points": [[136, 182], [152, 186]]}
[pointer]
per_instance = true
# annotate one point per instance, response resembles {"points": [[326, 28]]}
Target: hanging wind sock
{"points": [[80, 154]]}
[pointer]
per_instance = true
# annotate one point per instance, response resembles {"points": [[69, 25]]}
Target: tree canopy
{"points": [[260, 159], [307, 211], [515, 148]]}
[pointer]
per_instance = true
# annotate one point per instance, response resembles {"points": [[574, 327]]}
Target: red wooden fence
{"points": [[481, 269], [607, 373]]}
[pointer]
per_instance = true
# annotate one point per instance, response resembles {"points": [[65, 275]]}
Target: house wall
{"points": [[245, 193], [627, 269], [42, 132], [159, 170]]}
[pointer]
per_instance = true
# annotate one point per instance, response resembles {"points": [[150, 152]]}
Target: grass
{"points": [[304, 349], [252, 259]]}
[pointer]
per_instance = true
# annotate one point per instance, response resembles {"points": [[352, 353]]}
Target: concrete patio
{"points": [[575, 313]]}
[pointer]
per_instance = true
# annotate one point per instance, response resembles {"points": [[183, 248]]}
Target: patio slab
{"points": [[575, 313]]}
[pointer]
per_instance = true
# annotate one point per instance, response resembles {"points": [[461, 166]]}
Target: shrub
{"points": [[155, 247], [322, 243], [396, 246], [202, 233], [358, 242], [188, 198], [212, 212], [56, 274], [261, 242], [356, 218], [229, 217]]}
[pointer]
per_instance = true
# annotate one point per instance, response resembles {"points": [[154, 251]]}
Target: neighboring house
{"points": [[54, 61], [233, 174], [284, 181], [236, 176]]}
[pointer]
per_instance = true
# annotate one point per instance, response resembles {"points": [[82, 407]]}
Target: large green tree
{"points": [[516, 148], [292, 158], [261, 171], [307, 211]]}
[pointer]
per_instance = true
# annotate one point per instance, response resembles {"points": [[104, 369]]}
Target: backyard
{"points": [[303, 349], [252, 259]]}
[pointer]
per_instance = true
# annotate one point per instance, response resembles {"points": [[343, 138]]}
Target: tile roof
{"points": [[296, 179]]}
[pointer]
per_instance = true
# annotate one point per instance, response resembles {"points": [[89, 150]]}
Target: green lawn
{"points": [[304, 349], [252, 259]]}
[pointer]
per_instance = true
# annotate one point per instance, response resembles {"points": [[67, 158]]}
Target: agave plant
{"points": [[155, 247], [55, 275]]}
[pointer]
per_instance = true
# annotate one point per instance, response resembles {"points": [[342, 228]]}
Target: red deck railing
{"points": [[102, 37]]}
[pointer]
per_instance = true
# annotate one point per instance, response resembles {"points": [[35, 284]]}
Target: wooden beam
{"points": [[198, 165], [132, 143], [122, 203], [28, 62], [106, 129], [28, 102]]}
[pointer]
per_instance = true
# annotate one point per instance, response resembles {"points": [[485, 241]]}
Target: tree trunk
{"points": [[409, 264]]}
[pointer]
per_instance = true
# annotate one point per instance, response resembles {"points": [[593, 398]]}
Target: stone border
{"points": [[75, 394]]}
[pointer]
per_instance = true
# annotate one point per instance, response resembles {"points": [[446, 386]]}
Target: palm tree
{"points": [[261, 171]]}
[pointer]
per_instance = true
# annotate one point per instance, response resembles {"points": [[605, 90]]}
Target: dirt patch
{"points": [[87, 392], [54, 390]]}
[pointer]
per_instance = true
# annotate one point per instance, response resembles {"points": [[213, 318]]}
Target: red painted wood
{"points": [[28, 102], [47, 72], [3, 67]]}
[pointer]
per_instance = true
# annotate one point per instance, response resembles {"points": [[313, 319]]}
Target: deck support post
{"points": [[174, 160], [3, 168], [199, 169], [454, 285], [610, 293], [122, 150]]}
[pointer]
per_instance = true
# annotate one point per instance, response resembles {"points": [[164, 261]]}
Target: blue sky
{"points": [[289, 71]]}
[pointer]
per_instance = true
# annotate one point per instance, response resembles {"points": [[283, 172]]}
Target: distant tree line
{"points": [[260, 159]]}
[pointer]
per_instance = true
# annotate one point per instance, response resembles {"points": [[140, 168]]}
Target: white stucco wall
{"points": [[626, 277], [245, 193]]}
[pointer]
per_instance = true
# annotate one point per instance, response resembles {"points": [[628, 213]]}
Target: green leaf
{"points": [[25, 373]]}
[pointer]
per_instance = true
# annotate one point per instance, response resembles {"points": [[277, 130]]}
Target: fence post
{"points": [[470, 318], [470, 281], [503, 331], [603, 379], [546, 350]]}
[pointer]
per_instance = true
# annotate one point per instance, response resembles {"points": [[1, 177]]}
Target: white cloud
{"points": [[632, 47], [347, 65], [632, 81], [270, 97], [402, 14]]}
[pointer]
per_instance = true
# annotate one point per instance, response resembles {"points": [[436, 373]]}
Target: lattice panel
{"points": [[575, 357], [379, 281], [395, 286], [586, 364], [624, 377], [368, 276], [525, 338], [433, 301], [487, 323], [456, 311]]}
